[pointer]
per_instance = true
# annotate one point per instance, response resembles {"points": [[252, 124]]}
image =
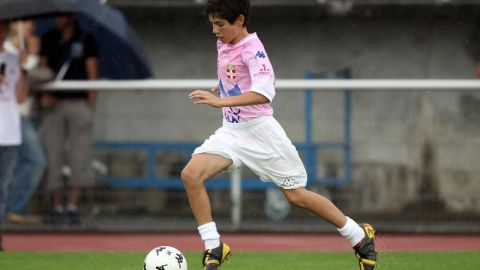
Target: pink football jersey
{"points": [[244, 67]]}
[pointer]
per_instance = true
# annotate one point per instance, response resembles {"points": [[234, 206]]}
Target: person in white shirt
{"points": [[13, 82], [31, 159]]}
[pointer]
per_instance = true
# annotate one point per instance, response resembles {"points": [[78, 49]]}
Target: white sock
{"points": [[352, 232], [208, 233]]}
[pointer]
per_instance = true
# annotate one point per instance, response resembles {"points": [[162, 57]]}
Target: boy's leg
{"points": [[200, 168], [361, 237], [317, 204]]}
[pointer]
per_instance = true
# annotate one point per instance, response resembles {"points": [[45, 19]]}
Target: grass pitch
{"points": [[241, 260]]}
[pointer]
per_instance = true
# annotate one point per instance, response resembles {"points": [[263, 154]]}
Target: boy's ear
{"points": [[240, 19]]}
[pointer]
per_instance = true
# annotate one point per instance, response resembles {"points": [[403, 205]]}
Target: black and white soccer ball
{"points": [[165, 258]]}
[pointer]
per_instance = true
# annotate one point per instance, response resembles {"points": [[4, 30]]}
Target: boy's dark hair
{"points": [[228, 9]]}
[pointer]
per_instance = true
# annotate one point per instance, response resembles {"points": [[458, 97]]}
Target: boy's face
{"points": [[225, 31]]}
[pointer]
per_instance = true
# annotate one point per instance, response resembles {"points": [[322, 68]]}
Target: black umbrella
{"points": [[121, 53]]}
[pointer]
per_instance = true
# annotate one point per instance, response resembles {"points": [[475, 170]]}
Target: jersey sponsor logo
{"points": [[231, 72], [232, 114], [264, 69]]}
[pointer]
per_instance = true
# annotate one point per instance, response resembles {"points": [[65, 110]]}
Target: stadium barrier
{"points": [[281, 84], [237, 183]]}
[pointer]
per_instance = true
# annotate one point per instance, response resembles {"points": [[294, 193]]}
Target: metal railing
{"points": [[309, 148]]}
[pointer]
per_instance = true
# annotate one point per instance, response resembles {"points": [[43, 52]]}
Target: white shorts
{"points": [[263, 146]]}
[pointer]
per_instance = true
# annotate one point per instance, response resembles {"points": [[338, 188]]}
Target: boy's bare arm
{"points": [[206, 97]]}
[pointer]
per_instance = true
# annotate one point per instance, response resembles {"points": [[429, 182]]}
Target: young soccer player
{"points": [[251, 136]]}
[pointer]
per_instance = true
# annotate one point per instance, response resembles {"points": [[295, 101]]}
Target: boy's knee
{"points": [[189, 177], [294, 198], [186, 175]]}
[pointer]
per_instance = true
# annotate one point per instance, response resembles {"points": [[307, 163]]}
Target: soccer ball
{"points": [[165, 258]]}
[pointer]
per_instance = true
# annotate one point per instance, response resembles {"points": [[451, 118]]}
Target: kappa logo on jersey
{"points": [[231, 72], [260, 54]]}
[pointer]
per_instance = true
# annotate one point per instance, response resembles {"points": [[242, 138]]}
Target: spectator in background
{"points": [[12, 82], [68, 115], [31, 162]]}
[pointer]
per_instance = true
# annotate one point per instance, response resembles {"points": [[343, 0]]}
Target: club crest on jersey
{"points": [[231, 72]]}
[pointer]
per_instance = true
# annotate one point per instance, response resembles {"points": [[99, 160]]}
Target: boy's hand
{"points": [[205, 97]]}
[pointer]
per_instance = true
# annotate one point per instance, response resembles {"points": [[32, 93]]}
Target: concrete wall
{"points": [[391, 129]]}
